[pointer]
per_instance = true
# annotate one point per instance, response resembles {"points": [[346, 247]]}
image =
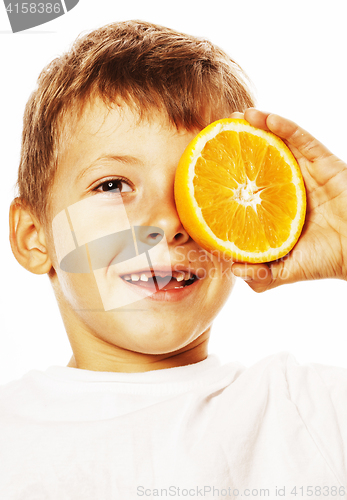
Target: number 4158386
{"points": [[34, 8]]}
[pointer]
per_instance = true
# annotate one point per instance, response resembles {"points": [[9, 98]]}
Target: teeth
{"points": [[144, 276]]}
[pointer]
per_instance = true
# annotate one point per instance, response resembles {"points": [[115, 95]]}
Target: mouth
{"points": [[161, 280]]}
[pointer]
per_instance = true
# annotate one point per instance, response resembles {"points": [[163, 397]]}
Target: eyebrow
{"points": [[125, 159]]}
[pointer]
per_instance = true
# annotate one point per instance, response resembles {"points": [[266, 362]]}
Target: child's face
{"points": [[115, 189]]}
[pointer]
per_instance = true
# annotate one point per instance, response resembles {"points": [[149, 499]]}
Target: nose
{"points": [[163, 218]]}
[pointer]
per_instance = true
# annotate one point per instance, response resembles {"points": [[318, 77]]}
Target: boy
{"points": [[141, 409]]}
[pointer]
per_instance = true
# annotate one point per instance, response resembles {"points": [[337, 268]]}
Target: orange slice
{"points": [[239, 190]]}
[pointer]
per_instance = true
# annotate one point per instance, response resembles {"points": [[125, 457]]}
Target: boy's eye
{"points": [[114, 186]]}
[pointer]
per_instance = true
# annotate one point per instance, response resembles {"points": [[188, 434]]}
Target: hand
{"points": [[321, 251]]}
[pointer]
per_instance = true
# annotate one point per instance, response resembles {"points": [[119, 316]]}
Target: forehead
{"points": [[100, 126], [102, 132]]}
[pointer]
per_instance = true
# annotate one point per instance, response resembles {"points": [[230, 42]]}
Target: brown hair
{"points": [[144, 65]]}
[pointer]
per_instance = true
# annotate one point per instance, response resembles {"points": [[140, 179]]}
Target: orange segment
{"points": [[252, 237], [239, 190], [274, 170], [213, 172], [276, 224], [283, 196], [218, 216], [224, 152], [253, 150]]}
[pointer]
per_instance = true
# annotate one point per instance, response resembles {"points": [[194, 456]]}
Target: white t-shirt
{"points": [[198, 431]]}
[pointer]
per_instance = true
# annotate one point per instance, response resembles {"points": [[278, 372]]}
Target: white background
{"points": [[295, 54]]}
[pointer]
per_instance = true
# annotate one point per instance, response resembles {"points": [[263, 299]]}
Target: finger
{"points": [[257, 118], [257, 276], [269, 275], [236, 114], [297, 137]]}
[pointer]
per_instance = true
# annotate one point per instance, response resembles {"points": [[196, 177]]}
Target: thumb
{"points": [[262, 277], [257, 276]]}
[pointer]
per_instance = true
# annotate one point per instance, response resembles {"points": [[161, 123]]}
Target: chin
{"points": [[157, 340]]}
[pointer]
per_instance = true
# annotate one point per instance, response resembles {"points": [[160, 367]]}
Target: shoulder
{"points": [[319, 384], [304, 382], [333, 378], [319, 394], [19, 394]]}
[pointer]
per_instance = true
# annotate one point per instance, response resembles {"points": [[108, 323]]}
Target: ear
{"points": [[27, 239]]}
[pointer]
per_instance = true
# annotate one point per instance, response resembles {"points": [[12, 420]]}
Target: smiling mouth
{"points": [[154, 282]]}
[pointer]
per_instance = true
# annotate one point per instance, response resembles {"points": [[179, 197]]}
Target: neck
{"points": [[122, 360]]}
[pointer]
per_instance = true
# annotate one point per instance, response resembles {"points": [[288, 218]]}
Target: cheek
{"points": [[83, 233], [80, 291], [87, 236], [222, 281]]}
